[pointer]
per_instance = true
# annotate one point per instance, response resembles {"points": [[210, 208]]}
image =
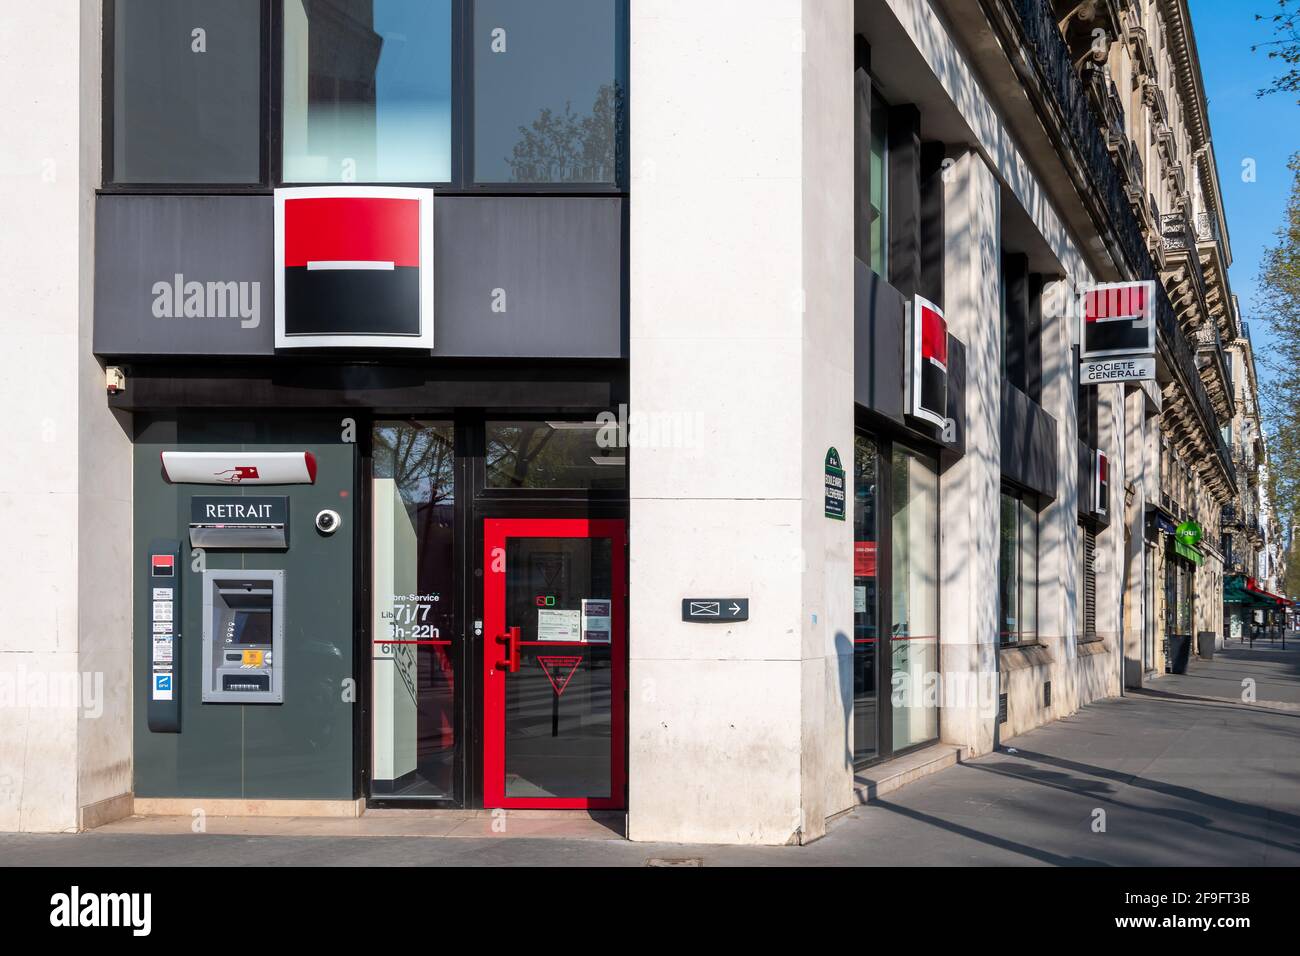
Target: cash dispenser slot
{"points": [[243, 637]]}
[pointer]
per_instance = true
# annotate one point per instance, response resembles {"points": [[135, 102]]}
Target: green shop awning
{"points": [[1188, 552], [1236, 590]]}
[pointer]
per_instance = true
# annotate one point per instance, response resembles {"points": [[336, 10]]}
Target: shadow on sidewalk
{"points": [[1223, 702], [1000, 843], [1081, 786]]}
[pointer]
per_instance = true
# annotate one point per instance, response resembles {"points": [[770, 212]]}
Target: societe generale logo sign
{"points": [[353, 267]]}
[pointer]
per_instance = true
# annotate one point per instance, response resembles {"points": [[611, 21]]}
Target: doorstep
{"points": [[876, 781], [538, 824]]}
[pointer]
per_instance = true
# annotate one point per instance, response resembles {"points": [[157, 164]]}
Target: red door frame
{"points": [[495, 533]]}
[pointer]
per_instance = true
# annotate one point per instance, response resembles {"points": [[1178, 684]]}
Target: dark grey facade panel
{"points": [[516, 385], [880, 362], [1028, 443], [515, 277], [879, 333], [1087, 496], [956, 447], [144, 243]]}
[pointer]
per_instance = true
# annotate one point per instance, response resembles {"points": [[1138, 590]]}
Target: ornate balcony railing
{"points": [[1179, 242], [1105, 102], [1207, 229], [1035, 30]]}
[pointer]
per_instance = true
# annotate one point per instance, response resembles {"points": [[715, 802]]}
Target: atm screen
{"points": [[252, 627]]}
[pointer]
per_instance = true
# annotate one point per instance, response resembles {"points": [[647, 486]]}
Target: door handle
{"points": [[511, 639]]}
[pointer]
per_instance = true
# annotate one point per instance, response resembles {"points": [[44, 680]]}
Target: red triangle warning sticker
{"points": [[559, 671]]}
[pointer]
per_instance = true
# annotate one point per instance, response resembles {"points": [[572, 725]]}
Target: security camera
{"points": [[327, 522]]}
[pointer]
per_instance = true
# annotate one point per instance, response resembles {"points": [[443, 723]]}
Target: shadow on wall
{"points": [[844, 655]]}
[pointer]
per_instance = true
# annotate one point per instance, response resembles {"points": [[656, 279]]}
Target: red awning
{"points": [[1256, 589]]}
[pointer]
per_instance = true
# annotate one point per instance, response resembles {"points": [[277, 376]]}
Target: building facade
{"points": [[502, 404]]}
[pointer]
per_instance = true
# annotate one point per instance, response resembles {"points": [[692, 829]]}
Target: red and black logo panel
{"points": [[1117, 318], [355, 269], [929, 362]]}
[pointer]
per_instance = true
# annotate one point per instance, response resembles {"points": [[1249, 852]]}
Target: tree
{"points": [[1292, 586], [1284, 47], [1279, 297]]}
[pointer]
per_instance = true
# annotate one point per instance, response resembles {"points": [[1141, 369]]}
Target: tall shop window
{"points": [[1018, 569]]}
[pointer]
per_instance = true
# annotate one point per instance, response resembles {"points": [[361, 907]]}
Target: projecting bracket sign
{"points": [[1117, 333], [714, 610]]}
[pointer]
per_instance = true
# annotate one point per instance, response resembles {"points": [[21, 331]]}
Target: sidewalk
{"points": [[1185, 773]]}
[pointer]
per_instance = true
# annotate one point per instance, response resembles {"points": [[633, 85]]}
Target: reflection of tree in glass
{"points": [[565, 147], [419, 460], [524, 456]]}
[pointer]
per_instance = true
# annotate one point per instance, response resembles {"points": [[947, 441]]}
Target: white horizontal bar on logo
{"points": [[350, 264]]}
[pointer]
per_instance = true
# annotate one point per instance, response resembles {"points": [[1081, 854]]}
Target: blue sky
{"points": [[1245, 127]]}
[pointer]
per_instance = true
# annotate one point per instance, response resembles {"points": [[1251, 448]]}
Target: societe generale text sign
{"points": [[1117, 335], [1119, 369]]}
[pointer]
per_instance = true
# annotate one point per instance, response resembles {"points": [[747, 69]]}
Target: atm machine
{"points": [[243, 637], [243, 611]]}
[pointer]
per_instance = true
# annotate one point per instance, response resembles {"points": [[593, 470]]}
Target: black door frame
{"points": [[474, 503], [883, 443]]}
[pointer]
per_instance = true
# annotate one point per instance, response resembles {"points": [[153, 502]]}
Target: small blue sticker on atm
{"points": [[162, 681]]}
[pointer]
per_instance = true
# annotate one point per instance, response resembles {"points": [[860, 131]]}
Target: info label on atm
{"points": [[162, 594], [162, 650], [162, 682], [162, 610]]}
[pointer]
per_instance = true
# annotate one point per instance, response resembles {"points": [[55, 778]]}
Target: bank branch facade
{"points": [[533, 405]]}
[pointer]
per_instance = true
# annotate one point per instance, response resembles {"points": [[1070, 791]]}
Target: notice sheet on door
{"points": [[557, 625]]}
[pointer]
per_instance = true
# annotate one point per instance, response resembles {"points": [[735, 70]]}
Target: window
{"points": [[879, 190], [1087, 592], [451, 93], [895, 583], [367, 91], [554, 454], [549, 99], [1022, 327], [866, 492], [186, 92], [914, 587], [1018, 569], [413, 659]]}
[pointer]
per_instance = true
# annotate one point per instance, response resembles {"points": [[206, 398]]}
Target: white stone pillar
{"points": [[741, 314], [969, 489], [1058, 529], [65, 704]]}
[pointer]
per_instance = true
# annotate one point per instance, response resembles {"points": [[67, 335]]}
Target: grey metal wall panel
{"points": [[956, 398], [1028, 443], [1087, 499], [302, 748], [144, 240], [879, 330], [557, 261]]}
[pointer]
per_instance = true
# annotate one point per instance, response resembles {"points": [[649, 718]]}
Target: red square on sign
{"points": [[163, 564]]}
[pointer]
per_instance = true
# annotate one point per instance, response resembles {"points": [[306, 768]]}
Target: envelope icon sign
{"points": [[706, 608]]}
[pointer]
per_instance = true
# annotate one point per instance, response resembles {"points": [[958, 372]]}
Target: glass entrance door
{"points": [[895, 599], [554, 663]]}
